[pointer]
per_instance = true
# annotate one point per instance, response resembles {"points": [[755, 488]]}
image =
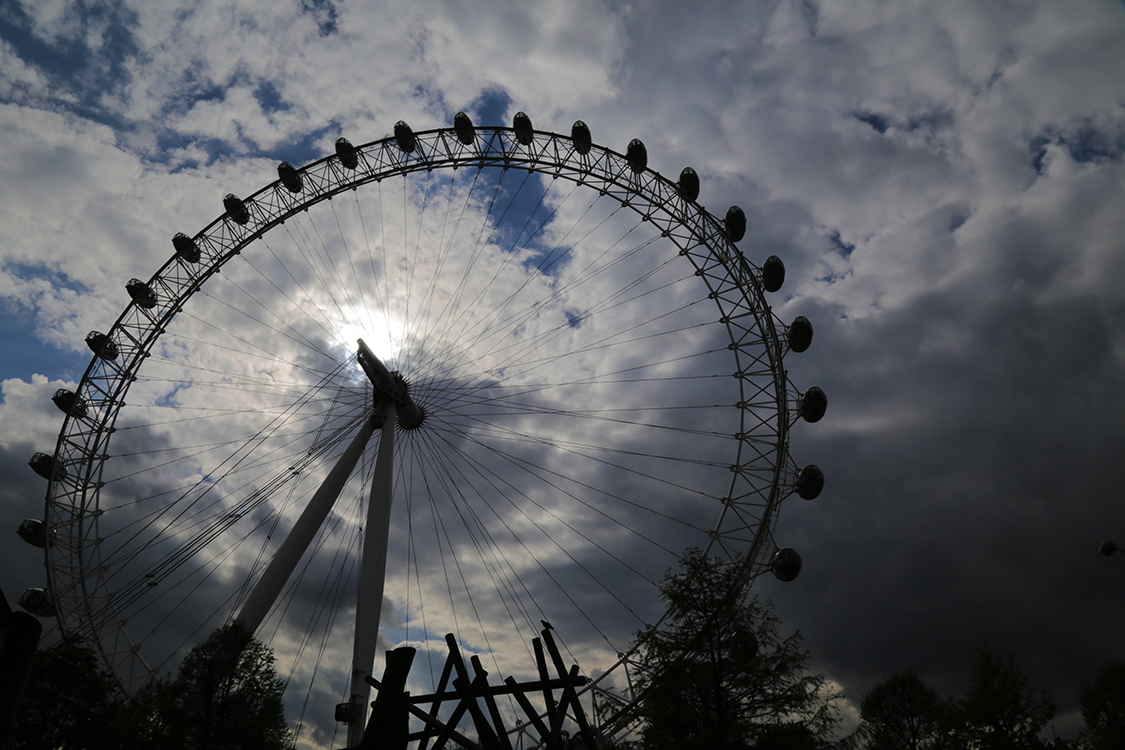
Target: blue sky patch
{"points": [[1088, 145], [325, 14], [490, 107], [71, 65], [58, 279], [270, 98], [843, 249], [876, 121], [25, 354]]}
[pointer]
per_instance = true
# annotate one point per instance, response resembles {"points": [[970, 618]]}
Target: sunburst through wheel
{"points": [[587, 378]]}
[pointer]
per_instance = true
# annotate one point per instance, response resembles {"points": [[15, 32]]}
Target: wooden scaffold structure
{"points": [[388, 727]]}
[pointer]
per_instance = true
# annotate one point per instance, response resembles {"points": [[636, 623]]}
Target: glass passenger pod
{"points": [[38, 602], [637, 156], [786, 564], [810, 482], [580, 134], [290, 177], [34, 532], [70, 402], [404, 137], [800, 334], [236, 209], [522, 126], [814, 402], [773, 273], [345, 151], [102, 345], [44, 465], [735, 224], [466, 133], [141, 293], [186, 247], [689, 184]]}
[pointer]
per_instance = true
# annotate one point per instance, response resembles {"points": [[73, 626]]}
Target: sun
{"points": [[376, 329]]}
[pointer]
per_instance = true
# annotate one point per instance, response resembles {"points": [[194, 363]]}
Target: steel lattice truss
{"points": [[762, 473]]}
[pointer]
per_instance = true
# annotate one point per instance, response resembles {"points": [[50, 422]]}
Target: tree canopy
{"points": [[718, 675], [1000, 711], [904, 713], [71, 702], [226, 695], [1103, 708]]}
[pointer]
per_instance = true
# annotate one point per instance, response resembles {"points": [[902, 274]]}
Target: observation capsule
{"points": [[290, 177], [786, 564], [800, 334], [236, 209], [38, 602], [346, 153], [141, 293], [34, 532], [773, 273], [735, 224], [44, 465], [813, 404], [689, 184], [522, 126], [580, 134], [637, 156], [186, 247], [70, 402], [466, 133], [101, 345], [810, 482], [404, 137]]}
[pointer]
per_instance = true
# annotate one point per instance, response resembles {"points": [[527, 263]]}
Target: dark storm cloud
{"points": [[968, 448]]}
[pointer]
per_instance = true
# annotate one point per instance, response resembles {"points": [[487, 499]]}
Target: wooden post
{"points": [[442, 683], [387, 726], [569, 695], [541, 662], [490, 703]]}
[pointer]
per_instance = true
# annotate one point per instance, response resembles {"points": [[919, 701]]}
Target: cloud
{"points": [[942, 183]]}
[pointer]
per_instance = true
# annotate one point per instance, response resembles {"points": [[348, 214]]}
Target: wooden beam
{"points": [[544, 677], [442, 683], [490, 703], [569, 695], [551, 740], [555, 684]]}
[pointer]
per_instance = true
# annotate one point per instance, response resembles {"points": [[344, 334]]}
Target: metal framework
{"points": [[761, 474]]}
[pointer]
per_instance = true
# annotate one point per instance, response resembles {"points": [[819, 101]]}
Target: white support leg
{"points": [[372, 572], [266, 591]]}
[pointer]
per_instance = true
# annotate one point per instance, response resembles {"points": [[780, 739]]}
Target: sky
{"points": [[942, 180]]}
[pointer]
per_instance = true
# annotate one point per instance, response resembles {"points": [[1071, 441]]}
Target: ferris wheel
{"points": [[574, 373]]}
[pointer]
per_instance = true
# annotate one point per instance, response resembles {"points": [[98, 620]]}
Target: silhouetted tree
{"points": [[904, 713], [71, 702], [999, 710], [1103, 708], [717, 675], [226, 695]]}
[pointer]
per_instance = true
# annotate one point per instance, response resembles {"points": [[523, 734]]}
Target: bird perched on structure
{"points": [[547, 625]]}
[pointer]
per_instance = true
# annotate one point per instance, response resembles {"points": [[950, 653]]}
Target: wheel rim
{"points": [[98, 567]]}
